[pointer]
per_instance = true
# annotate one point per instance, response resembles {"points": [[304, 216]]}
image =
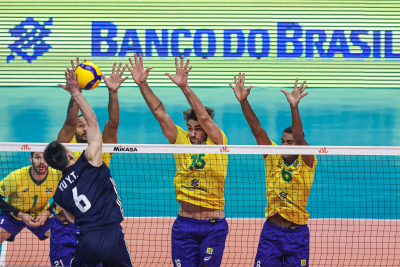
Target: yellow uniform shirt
{"points": [[27, 195], [106, 157], [288, 187], [200, 178]]}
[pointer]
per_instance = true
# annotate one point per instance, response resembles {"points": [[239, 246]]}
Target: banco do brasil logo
{"points": [[30, 34]]}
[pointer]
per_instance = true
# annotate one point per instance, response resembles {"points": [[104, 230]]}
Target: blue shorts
{"points": [[198, 242], [106, 246], [283, 247], [62, 242], [14, 226]]}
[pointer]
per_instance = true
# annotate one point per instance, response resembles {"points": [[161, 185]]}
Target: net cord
{"points": [[215, 149]]}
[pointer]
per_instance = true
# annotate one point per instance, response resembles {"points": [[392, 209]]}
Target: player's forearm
{"points": [[113, 109], [86, 109], [4, 206], [297, 126], [152, 101], [195, 103], [251, 118], [72, 113]]}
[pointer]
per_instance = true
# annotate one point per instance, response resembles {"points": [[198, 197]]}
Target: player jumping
{"points": [[28, 191], [199, 233], [63, 240], [87, 193], [285, 236]]}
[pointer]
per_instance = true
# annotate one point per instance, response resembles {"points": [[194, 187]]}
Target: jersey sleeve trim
{"points": [[36, 182]]}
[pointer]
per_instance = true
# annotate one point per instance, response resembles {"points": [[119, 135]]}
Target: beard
{"points": [[197, 142], [80, 140], [37, 170]]}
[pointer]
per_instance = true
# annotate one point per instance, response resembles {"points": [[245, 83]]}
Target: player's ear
{"points": [[70, 156]]}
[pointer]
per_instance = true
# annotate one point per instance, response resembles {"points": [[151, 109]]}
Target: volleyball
{"points": [[89, 75]]}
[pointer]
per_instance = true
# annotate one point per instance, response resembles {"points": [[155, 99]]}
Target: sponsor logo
{"points": [[26, 190], [178, 263], [25, 147], [49, 191], [30, 35], [195, 182], [125, 149], [323, 150], [296, 164], [303, 262], [283, 197], [224, 149], [207, 258], [209, 251], [194, 188], [279, 163], [3, 188]]}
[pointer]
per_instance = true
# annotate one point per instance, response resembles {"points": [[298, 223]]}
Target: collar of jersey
{"points": [[41, 182]]}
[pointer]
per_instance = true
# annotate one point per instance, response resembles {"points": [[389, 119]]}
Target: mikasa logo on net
{"points": [[125, 149]]}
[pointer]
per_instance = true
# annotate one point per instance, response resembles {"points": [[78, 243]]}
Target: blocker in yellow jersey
{"points": [[288, 187], [28, 191], [200, 178]]}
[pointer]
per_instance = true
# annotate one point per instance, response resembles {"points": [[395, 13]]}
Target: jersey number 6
{"points": [[80, 198]]}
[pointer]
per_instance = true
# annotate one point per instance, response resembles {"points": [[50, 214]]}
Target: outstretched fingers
{"points": [[136, 61], [123, 70], [235, 80], [187, 71], [301, 89], [232, 86], [284, 91], [148, 70], [303, 95], [295, 83]]}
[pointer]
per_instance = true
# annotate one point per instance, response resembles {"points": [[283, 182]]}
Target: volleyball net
{"points": [[354, 201]]}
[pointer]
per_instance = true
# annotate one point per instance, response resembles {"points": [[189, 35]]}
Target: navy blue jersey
{"points": [[90, 194]]}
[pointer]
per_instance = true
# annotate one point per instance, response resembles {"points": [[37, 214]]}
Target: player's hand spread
{"points": [[28, 219], [240, 92], [181, 74], [72, 85], [139, 75], [77, 63], [115, 80], [295, 96], [41, 219]]}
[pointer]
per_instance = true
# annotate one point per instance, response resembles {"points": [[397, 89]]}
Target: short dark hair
{"points": [[189, 114], [55, 155], [80, 115], [32, 153], [289, 130]]}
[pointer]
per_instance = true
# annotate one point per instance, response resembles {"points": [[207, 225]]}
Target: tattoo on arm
{"points": [[71, 104], [158, 106]]}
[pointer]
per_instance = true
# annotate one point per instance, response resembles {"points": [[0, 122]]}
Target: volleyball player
{"points": [[199, 233], [28, 191], [87, 193], [63, 240], [285, 236]]}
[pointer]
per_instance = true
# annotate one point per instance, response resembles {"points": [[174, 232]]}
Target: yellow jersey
{"points": [[106, 157], [200, 178], [26, 194], [288, 187]]}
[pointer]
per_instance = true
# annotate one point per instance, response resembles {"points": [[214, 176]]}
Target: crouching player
{"points": [[28, 191]]}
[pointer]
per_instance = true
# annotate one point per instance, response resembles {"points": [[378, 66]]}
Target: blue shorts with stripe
{"points": [[14, 226], [280, 246], [198, 242]]}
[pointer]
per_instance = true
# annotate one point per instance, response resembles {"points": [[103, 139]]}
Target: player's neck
{"points": [[290, 160], [38, 177]]}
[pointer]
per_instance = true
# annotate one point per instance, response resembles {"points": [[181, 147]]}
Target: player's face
{"points": [[287, 140], [196, 134], [80, 132], [38, 164]]}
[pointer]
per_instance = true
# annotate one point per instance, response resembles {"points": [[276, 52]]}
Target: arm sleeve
{"points": [[4, 206]]}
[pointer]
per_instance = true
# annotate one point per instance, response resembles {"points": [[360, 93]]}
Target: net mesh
{"points": [[353, 202]]}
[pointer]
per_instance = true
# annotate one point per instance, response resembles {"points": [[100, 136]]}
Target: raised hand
{"points": [[295, 96], [181, 74], [77, 63], [139, 75], [72, 85], [115, 80], [240, 92]]}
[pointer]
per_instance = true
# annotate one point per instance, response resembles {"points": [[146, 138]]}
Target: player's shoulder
{"points": [[22, 171]]}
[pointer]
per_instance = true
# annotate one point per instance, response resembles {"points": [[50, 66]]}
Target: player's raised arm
{"points": [[94, 149], [297, 127], [206, 122], [140, 75], [67, 131], [113, 83], [241, 94]]}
